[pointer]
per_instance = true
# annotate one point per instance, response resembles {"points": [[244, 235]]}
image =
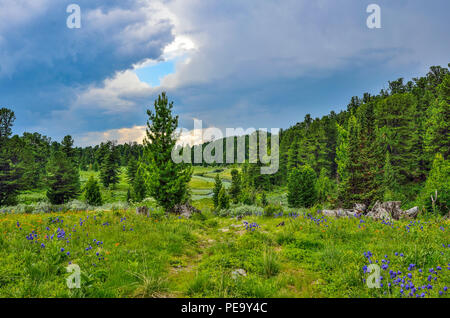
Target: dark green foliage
{"points": [[436, 193], [139, 186], [167, 181], [389, 180], [437, 138], [217, 187], [396, 115], [92, 192], [302, 187], [9, 171], [63, 180], [109, 171], [129, 195], [224, 199], [325, 186], [264, 201], [67, 148], [131, 169], [272, 209], [235, 189]]}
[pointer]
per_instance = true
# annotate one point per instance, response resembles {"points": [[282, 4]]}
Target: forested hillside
{"points": [[381, 148]]}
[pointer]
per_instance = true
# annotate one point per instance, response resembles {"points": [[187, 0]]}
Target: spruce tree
{"points": [[129, 195], [67, 147], [109, 170], [324, 186], [63, 179], [224, 200], [396, 115], [437, 138], [92, 192], [131, 169], [167, 181], [217, 187], [389, 180], [436, 193], [264, 201], [302, 190], [235, 189], [9, 171], [139, 186]]}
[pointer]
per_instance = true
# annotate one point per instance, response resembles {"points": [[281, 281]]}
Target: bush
{"points": [[272, 209], [224, 199], [92, 192], [243, 210]]}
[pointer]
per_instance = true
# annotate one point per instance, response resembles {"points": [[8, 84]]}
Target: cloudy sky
{"points": [[229, 63]]}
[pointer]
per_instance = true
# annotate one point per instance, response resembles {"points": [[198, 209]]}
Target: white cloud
{"points": [[121, 135]]}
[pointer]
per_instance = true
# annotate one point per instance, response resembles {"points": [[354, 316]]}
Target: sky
{"points": [[234, 63]]}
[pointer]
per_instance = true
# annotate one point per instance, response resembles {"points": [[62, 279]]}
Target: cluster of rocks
{"points": [[381, 210]]}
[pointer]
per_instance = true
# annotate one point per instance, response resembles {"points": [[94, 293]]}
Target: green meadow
{"points": [[244, 254]]}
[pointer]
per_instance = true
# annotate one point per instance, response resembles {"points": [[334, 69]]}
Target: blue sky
{"points": [[254, 63]]}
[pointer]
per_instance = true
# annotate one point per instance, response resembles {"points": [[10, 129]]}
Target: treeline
{"points": [[390, 146], [381, 148], [33, 161]]}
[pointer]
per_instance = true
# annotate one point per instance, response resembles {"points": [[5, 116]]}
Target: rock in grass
{"points": [[142, 210], [238, 273], [186, 210]]}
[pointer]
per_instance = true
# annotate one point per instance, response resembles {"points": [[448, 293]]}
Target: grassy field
{"points": [[121, 254]]}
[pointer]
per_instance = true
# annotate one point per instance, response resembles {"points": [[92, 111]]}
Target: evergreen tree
{"points": [[224, 200], [235, 189], [167, 181], [9, 172], [63, 180], [396, 114], [131, 169], [302, 187], [217, 187], [139, 186], [109, 171], [129, 196], [324, 186], [389, 181], [437, 138], [67, 147], [436, 193], [264, 201], [92, 192], [351, 187]]}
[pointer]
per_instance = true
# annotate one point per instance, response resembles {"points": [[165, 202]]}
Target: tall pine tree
{"points": [[167, 181]]}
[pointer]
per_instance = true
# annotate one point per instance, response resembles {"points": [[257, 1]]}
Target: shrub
{"points": [[243, 210], [224, 199], [272, 209], [92, 192]]}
